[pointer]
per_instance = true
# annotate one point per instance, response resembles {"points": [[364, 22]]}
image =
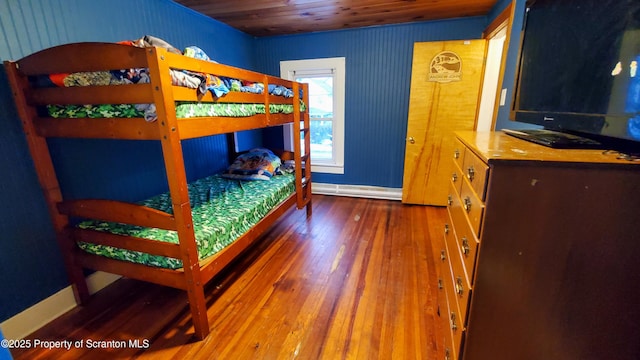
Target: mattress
{"points": [[183, 110], [222, 210]]}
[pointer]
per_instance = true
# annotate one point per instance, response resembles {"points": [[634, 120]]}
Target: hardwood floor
{"points": [[356, 280]]}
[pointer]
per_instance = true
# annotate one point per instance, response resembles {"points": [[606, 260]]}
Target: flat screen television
{"points": [[578, 70]]}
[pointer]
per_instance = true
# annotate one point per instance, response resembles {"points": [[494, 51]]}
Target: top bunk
{"points": [[69, 91]]}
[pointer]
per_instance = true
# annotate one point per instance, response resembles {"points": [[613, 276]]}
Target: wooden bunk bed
{"points": [[170, 131]]}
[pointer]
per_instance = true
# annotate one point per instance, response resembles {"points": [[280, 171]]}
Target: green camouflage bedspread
{"points": [[183, 110], [222, 210]]}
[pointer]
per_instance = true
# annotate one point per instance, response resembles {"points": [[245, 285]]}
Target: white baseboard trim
{"points": [[40, 314], [372, 192]]}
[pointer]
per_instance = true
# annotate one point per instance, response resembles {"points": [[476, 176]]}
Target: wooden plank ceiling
{"points": [[280, 17]]}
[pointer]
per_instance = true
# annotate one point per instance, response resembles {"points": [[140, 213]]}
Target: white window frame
{"points": [[292, 68]]}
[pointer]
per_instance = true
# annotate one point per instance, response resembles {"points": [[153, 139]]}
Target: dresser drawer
{"points": [[467, 242], [444, 274], [468, 246], [450, 351], [459, 153], [476, 172], [460, 283], [472, 206], [455, 320], [457, 177], [442, 269]]}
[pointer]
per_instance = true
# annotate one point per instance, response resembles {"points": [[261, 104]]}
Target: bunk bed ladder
{"points": [[301, 129]]}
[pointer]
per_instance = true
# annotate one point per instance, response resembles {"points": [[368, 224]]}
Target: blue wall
{"points": [[30, 262], [378, 78]]}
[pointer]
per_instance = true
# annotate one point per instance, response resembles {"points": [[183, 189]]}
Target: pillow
{"points": [[256, 164]]}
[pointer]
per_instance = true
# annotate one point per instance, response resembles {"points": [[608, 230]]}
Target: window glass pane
{"points": [[320, 96], [321, 114], [321, 140]]}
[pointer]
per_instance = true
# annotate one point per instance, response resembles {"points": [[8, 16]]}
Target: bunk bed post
{"points": [[177, 179], [48, 181], [307, 146]]}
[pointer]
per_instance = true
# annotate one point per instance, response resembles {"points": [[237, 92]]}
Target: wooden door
{"points": [[445, 84]]}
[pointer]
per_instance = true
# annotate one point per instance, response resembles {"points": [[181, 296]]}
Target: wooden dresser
{"points": [[539, 258]]}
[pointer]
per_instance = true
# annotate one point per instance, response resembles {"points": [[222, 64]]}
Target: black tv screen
{"points": [[578, 68]]}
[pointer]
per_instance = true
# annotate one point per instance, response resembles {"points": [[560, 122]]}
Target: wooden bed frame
{"points": [[169, 130]]}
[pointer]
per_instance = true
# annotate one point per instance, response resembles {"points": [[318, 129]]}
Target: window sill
{"points": [[327, 169]]}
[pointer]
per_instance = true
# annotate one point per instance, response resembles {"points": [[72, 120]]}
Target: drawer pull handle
{"points": [[454, 326], [443, 255], [471, 173], [466, 249], [454, 177], [456, 154], [459, 286], [440, 284], [449, 200], [446, 229], [467, 204], [447, 354]]}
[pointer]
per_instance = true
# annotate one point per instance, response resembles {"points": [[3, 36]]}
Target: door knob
{"points": [[412, 140]]}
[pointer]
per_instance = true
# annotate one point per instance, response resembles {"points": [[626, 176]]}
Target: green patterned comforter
{"points": [[183, 110], [222, 210]]}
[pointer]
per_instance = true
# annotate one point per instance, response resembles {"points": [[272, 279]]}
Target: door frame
{"points": [[502, 21]]}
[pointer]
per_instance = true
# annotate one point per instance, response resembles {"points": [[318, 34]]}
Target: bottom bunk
{"points": [[228, 213], [222, 210]]}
